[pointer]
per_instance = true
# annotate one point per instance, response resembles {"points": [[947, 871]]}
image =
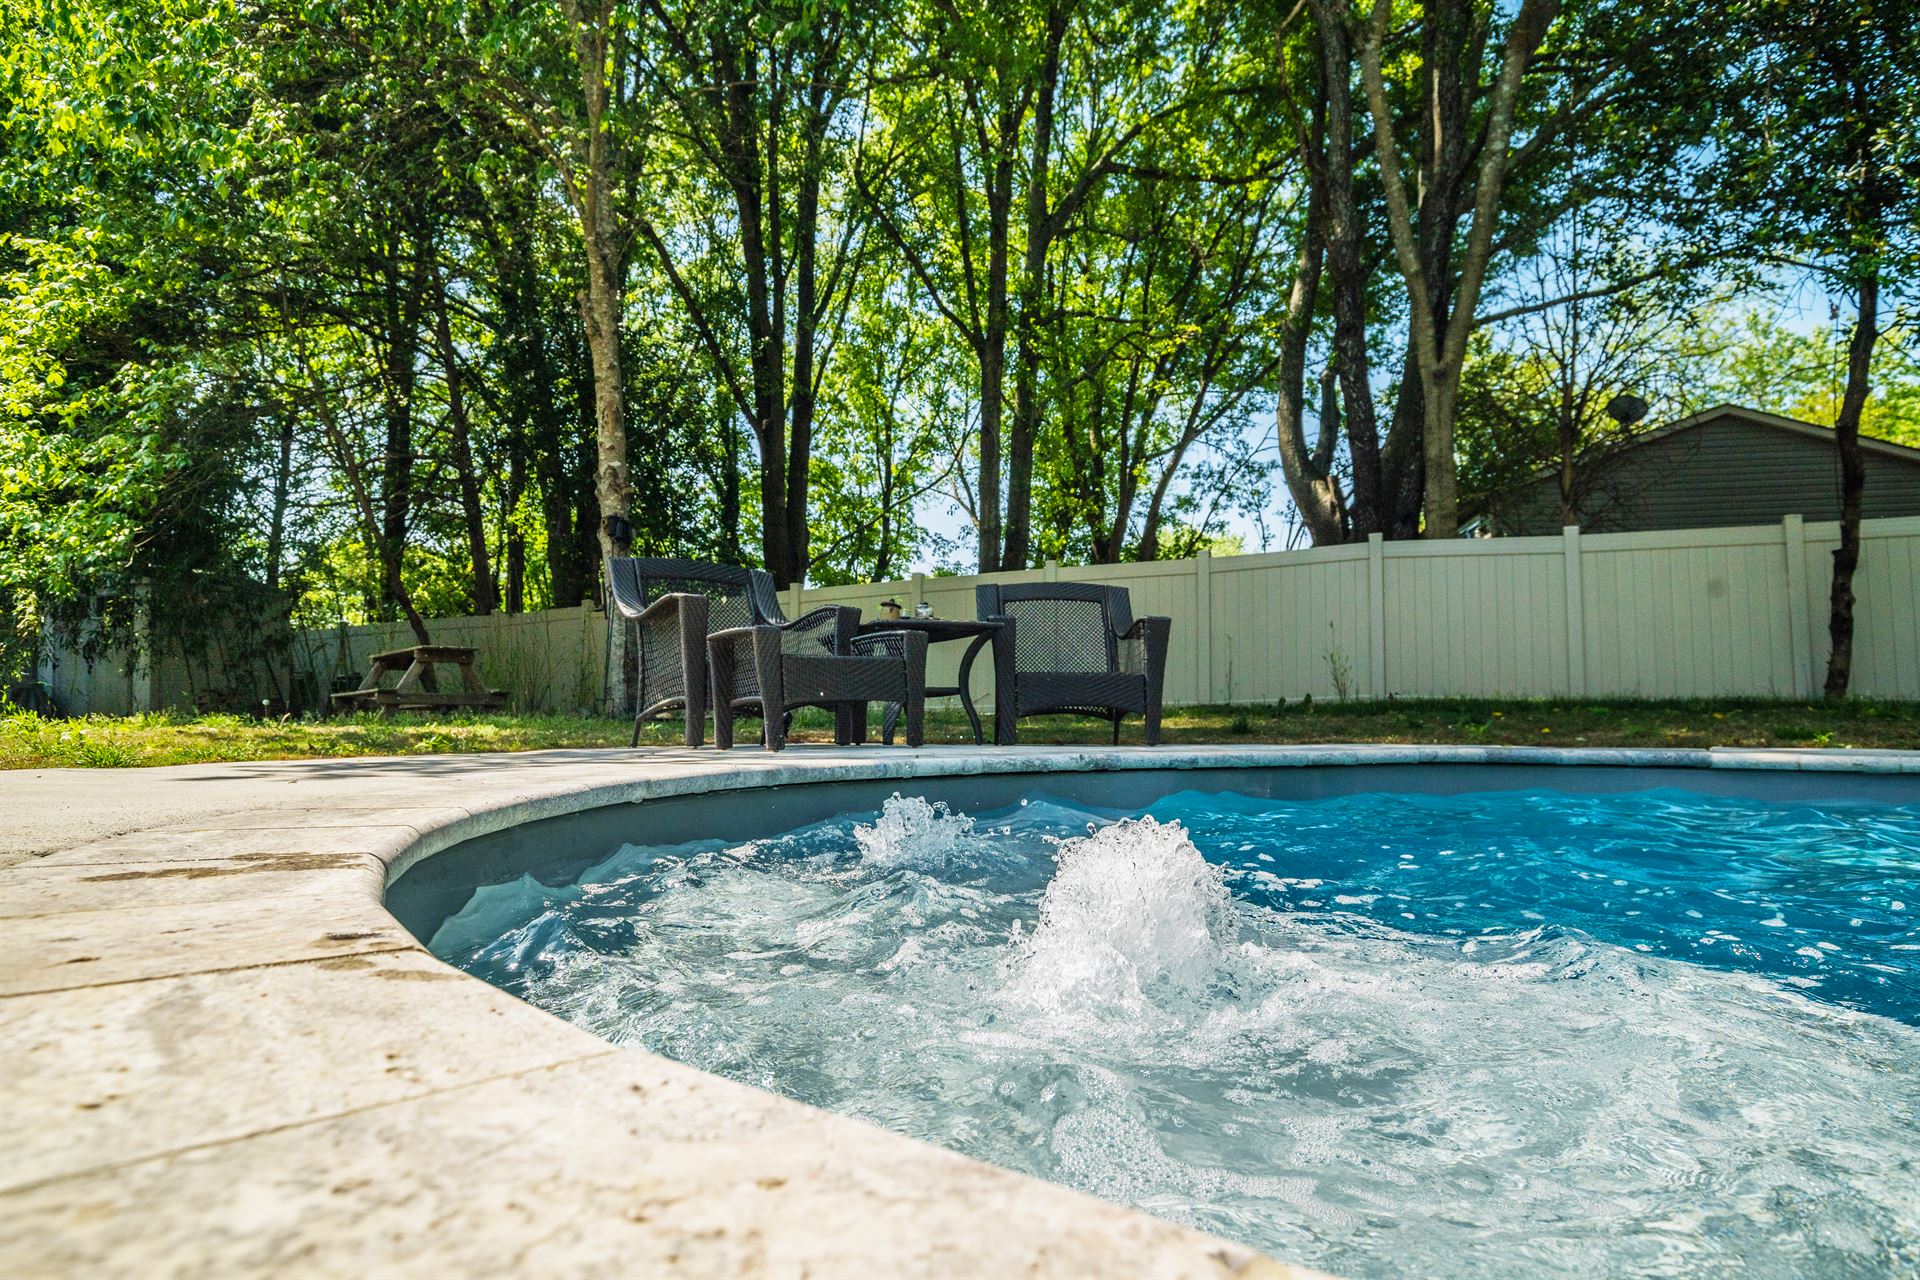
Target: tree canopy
{"points": [[422, 308]]}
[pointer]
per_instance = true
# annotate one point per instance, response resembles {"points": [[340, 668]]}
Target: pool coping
{"points": [[226, 1055]]}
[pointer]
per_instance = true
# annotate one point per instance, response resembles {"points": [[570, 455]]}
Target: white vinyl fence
{"points": [[1686, 613]]}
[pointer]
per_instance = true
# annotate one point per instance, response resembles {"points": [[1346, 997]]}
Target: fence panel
{"points": [[1686, 613], [1886, 640], [1289, 624], [1477, 618], [1707, 615]]}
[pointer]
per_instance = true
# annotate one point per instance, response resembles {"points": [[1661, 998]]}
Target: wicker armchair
{"points": [[1078, 650], [818, 661], [671, 606]]}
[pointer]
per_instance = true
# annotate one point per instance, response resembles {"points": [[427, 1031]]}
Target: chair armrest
{"points": [[1003, 639], [910, 645], [670, 603], [814, 619], [1143, 647], [738, 633], [1140, 626], [835, 624]]}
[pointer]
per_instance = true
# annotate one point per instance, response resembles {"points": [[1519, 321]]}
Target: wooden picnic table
{"points": [[418, 688]]}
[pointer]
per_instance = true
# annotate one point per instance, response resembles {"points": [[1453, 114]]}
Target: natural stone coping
{"points": [[223, 1055]]}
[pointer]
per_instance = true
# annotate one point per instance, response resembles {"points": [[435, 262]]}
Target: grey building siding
{"points": [[1721, 472]]}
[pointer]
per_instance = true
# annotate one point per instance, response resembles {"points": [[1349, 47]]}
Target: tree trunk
{"points": [[1440, 325], [474, 516], [1403, 464], [282, 485], [766, 358], [1853, 483], [730, 496], [402, 323], [1348, 274], [806, 229], [600, 310], [600, 301], [1018, 549], [1567, 431], [1450, 65], [993, 354], [511, 532], [883, 558], [536, 426], [1308, 472], [562, 469]]}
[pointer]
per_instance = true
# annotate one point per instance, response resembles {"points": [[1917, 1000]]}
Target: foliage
{"points": [[1757, 361], [291, 297]]}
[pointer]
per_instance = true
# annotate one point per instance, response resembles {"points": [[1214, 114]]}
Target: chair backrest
{"points": [[736, 597], [1060, 626]]}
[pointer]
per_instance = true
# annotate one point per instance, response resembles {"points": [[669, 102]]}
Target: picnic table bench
{"points": [[418, 689]]}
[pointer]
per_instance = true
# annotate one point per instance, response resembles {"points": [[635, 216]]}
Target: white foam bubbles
{"points": [[913, 833], [1134, 920]]}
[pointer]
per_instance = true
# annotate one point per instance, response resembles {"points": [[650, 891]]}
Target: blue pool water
{"points": [[1653, 1033]]}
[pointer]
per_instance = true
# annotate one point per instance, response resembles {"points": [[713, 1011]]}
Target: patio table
{"points": [[978, 635]]}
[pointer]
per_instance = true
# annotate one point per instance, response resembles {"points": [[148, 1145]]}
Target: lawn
{"points": [[31, 742]]}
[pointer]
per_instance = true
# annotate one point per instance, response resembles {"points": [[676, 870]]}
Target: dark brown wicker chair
{"points": [[771, 670], [672, 605], [1078, 650]]}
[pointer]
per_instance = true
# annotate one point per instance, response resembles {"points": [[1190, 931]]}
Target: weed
{"points": [[1339, 669]]}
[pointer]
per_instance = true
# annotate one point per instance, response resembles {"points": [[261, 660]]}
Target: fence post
{"points": [[1203, 622], [918, 591], [1051, 573], [1793, 532], [1377, 614], [1576, 615], [794, 607]]}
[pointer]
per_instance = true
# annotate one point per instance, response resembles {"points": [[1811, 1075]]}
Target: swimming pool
{"points": [[1648, 1031]]}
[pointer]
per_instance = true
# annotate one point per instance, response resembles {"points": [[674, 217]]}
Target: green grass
{"points": [[31, 742]]}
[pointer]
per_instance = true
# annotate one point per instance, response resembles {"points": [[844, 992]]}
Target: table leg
{"points": [[966, 686], [1004, 714]]}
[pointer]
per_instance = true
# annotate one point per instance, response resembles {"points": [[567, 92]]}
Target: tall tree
{"points": [[1818, 152], [597, 173], [758, 99], [1452, 33], [1464, 151]]}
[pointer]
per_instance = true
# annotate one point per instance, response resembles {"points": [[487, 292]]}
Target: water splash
{"points": [[497, 910], [1134, 922], [912, 833]]}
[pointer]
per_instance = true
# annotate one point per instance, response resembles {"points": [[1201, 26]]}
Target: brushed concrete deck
{"points": [[223, 1055]]}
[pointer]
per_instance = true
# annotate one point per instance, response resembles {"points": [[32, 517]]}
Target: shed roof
{"points": [[1775, 421]]}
